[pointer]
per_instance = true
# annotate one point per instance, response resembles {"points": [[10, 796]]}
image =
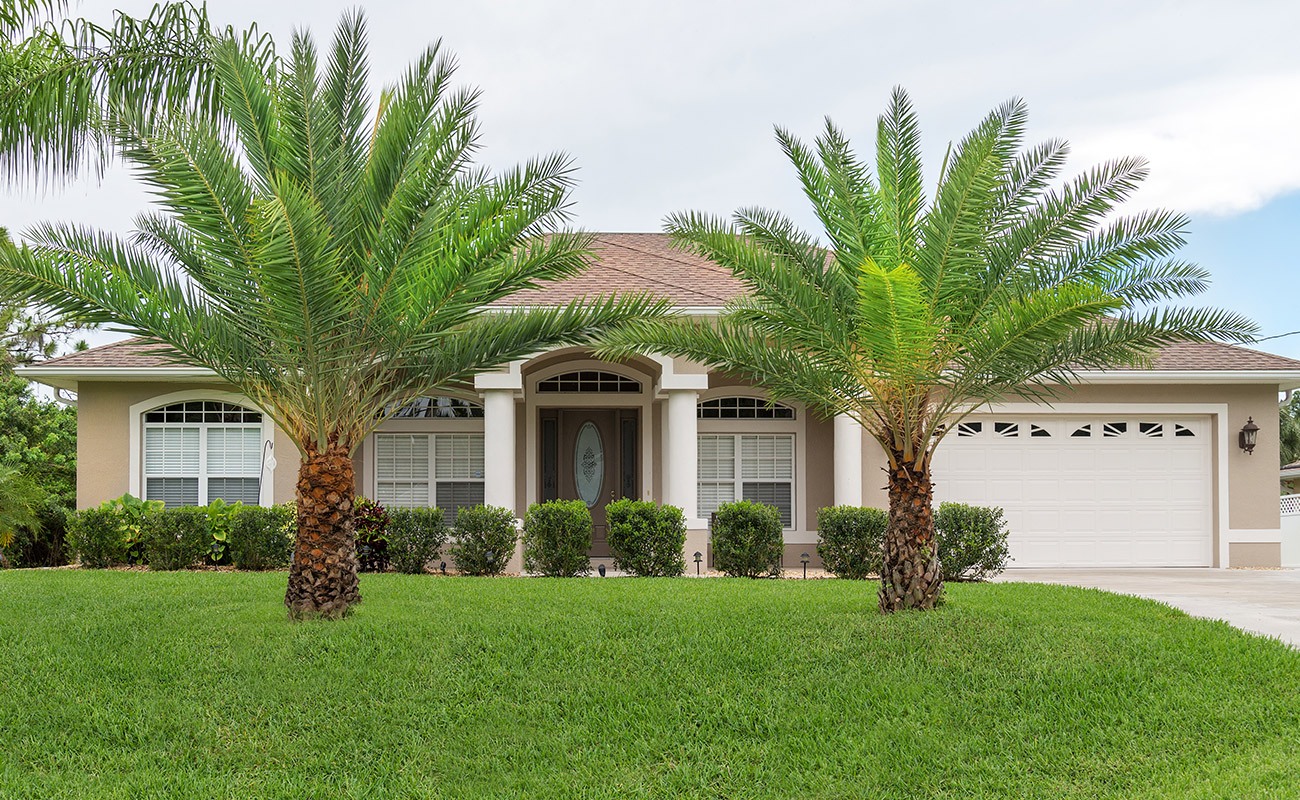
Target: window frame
{"points": [[136, 478], [796, 428], [429, 427]]}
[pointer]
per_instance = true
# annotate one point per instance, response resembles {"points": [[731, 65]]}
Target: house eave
{"points": [[1283, 379]]}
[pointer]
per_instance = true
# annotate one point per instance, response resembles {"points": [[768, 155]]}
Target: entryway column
{"points": [[499, 448], [681, 453], [499, 390], [848, 461]]}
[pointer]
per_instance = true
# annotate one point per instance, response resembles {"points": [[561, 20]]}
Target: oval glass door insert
{"points": [[589, 463]]}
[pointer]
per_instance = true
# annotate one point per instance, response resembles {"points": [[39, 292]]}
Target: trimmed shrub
{"points": [[95, 535], [972, 541], [371, 521], [414, 537], [557, 536], [219, 514], [747, 540], [852, 540], [176, 538], [484, 539], [262, 537], [646, 539]]}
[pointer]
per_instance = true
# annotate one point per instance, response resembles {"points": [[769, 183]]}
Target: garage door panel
{"points": [[1125, 499]]}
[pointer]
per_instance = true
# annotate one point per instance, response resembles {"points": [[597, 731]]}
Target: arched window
{"points": [[439, 408], [589, 381], [201, 450], [743, 408]]}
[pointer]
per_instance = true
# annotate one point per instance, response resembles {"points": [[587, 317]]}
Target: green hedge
{"points": [[414, 536], [851, 540], [262, 537], [95, 535], [484, 539], [176, 538], [972, 541], [646, 539], [557, 536], [747, 540]]}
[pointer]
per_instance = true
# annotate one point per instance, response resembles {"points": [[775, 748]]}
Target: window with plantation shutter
{"points": [[422, 469], [755, 467], [199, 451]]}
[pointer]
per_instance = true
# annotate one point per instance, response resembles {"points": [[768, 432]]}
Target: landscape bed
{"points": [[193, 684]]}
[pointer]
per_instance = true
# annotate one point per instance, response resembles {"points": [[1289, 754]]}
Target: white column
{"points": [[681, 466], [499, 448], [848, 461]]}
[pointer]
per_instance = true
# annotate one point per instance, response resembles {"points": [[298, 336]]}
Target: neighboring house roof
{"points": [[1291, 471], [647, 262]]}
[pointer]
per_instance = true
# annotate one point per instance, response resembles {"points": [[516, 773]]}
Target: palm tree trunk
{"points": [[323, 574], [910, 577]]}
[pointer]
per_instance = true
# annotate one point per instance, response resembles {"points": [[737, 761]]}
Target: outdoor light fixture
{"points": [[491, 558], [803, 559], [601, 570], [1249, 434], [698, 558], [443, 566]]}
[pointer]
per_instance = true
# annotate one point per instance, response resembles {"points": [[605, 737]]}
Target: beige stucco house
{"points": [[1128, 468]]}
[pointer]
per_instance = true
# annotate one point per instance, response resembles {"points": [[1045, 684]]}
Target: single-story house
{"points": [[1127, 468]]}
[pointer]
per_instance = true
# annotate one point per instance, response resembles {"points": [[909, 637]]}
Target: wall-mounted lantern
{"points": [[1248, 436]]}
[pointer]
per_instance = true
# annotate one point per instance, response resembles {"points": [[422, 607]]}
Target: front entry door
{"points": [[590, 455]]}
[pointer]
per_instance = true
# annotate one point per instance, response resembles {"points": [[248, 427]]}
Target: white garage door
{"points": [[1087, 491]]}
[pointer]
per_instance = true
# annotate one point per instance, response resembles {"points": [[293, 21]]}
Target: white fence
{"points": [[1291, 530]]}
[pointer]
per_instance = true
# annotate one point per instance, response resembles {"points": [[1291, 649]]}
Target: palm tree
{"points": [[329, 257], [923, 310]]}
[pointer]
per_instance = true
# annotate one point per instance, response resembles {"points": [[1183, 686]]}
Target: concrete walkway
{"points": [[1260, 601]]}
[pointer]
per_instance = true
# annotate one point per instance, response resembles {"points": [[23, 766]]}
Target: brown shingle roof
{"points": [[646, 262], [640, 262]]}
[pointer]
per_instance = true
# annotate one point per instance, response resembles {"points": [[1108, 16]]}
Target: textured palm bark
{"points": [[911, 577], [323, 574]]}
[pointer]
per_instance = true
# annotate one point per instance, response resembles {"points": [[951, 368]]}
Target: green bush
{"points": [[131, 512], [484, 539], [557, 536], [645, 538], [176, 538], [972, 541], [261, 537], [747, 540], [371, 525], [414, 537], [95, 535], [219, 515], [852, 540]]}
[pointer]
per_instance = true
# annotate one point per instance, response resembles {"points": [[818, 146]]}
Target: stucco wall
{"points": [[104, 439], [820, 470]]}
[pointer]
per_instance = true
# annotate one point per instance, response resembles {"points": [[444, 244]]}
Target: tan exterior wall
{"points": [[1255, 554], [819, 473], [104, 439]]}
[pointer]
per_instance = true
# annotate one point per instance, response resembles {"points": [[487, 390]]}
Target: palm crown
{"points": [[921, 310], [328, 258]]}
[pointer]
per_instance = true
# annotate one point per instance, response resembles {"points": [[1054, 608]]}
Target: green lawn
{"points": [[132, 685]]}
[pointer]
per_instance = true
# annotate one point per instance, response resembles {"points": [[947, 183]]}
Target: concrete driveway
{"points": [[1260, 601]]}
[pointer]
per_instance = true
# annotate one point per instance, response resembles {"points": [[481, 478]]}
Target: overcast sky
{"points": [[670, 105]]}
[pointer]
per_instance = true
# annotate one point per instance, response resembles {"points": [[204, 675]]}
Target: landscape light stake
{"points": [[698, 558], [443, 567], [803, 559], [601, 570]]}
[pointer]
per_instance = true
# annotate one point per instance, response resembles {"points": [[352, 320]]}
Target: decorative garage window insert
{"points": [[421, 469], [199, 451], [755, 467], [743, 408], [589, 381]]}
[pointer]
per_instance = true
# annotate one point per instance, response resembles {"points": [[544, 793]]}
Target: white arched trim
{"points": [[135, 481]]}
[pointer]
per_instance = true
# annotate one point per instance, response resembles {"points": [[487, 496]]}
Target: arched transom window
{"points": [[201, 450], [439, 408], [743, 408], [589, 380]]}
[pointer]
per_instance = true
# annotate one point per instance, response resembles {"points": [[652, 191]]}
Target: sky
{"points": [[667, 106]]}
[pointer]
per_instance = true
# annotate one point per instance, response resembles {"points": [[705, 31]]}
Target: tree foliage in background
{"points": [[1288, 413], [328, 254], [1006, 283], [38, 449]]}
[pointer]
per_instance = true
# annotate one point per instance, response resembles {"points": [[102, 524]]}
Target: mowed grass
{"points": [[133, 685]]}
